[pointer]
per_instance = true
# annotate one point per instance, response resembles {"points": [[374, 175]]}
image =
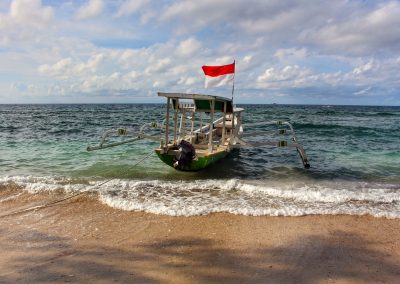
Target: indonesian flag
{"points": [[219, 75]]}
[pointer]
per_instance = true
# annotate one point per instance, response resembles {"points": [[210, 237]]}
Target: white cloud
{"points": [[66, 67], [158, 65], [294, 75], [363, 69], [122, 70], [376, 73], [188, 47], [247, 59], [361, 33], [363, 92], [187, 81], [91, 9], [364, 78], [351, 27], [59, 68], [130, 7], [278, 45], [194, 14], [30, 12], [293, 53], [257, 17], [25, 24], [26, 12]]}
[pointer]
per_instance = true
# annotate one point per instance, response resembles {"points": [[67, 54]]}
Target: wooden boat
{"points": [[199, 130]]}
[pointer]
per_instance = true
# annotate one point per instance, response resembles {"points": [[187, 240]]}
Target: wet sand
{"points": [[82, 240]]}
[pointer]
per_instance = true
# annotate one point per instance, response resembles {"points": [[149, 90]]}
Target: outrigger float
{"points": [[192, 138]]}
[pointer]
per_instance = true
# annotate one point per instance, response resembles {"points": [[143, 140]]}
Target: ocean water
{"points": [[354, 152]]}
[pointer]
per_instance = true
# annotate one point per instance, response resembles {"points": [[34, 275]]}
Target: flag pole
{"points": [[233, 81]]}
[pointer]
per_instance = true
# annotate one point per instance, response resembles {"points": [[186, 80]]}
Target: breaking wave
{"points": [[244, 197]]}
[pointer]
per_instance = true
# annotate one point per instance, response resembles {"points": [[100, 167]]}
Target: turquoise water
{"points": [[354, 152]]}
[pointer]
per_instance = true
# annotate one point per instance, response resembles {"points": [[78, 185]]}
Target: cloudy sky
{"points": [[311, 52]]}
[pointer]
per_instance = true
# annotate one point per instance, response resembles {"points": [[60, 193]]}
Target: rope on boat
{"points": [[52, 203]]}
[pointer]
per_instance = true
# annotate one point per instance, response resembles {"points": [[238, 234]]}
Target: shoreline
{"points": [[83, 240], [235, 196]]}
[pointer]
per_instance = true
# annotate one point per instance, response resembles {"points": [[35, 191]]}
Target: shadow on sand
{"points": [[33, 256]]}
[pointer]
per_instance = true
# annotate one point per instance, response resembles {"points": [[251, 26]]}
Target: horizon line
{"points": [[153, 103]]}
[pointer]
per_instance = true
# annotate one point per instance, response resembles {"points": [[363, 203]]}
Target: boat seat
{"points": [[228, 125], [202, 138]]}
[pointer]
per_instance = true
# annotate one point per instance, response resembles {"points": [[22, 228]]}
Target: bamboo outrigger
{"points": [[191, 138]]}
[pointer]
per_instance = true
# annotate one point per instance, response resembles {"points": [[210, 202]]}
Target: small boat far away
{"points": [[192, 137]]}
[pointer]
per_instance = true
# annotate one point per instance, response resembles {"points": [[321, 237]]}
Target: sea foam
{"points": [[245, 197]]}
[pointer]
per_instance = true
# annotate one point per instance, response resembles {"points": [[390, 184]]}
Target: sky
{"points": [[125, 51]]}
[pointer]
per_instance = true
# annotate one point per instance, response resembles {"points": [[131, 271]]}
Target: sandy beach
{"points": [[82, 240]]}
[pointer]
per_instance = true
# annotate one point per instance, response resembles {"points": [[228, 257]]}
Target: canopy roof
{"points": [[202, 103]]}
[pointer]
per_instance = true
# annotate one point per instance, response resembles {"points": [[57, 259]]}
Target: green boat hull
{"points": [[195, 165]]}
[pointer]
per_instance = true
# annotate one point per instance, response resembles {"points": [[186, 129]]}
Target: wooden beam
{"points": [[210, 138], [167, 122], [223, 125]]}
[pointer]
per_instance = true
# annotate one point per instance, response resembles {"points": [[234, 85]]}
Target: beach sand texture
{"points": [[82, 240]]}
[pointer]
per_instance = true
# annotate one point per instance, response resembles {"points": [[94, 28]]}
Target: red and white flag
{"points": [[219, 75]]}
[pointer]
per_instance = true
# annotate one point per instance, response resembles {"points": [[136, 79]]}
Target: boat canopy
{"points": [[201, 103]]}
